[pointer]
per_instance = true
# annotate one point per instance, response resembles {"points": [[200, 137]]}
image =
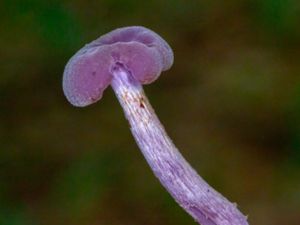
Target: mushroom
{"points": [[126, 58]]}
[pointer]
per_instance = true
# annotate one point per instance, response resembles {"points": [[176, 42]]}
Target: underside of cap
{"points": [[86, 76], [141, 35], [141, 51]]}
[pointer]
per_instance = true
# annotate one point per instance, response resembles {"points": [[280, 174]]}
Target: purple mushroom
{"points": [[126, 58]]}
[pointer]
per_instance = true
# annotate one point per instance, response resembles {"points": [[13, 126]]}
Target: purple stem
{"points": [[191, 192]]}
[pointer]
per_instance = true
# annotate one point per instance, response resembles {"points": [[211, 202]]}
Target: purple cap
{"points": [[139, 50]]}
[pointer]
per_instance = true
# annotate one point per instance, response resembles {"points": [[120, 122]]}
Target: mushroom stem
{"points": [[191, 192]]}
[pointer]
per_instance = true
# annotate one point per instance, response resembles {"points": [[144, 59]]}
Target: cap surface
{"points": [[141, 51]]}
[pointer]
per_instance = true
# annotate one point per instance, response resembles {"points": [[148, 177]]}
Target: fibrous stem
{"points": [[191, 192]]}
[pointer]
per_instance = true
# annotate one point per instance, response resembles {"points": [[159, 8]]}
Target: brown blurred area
{"points": [[231, 103]]}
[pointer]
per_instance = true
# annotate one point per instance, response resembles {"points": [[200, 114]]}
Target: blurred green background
{"points": [[231, 103]]}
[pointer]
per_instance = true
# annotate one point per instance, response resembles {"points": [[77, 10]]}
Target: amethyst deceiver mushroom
{"points": [[126, 58]]}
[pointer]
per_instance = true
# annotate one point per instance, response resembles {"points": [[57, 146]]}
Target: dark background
{"points": [[231, 103]]}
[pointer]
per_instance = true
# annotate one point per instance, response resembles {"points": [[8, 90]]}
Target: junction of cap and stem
{"points": [[191, 192]]}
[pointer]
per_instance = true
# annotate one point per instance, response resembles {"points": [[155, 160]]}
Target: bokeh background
{"points": [[231, 103]]}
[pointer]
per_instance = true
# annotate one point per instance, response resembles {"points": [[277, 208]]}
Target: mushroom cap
{"points": [[142, 52]]}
